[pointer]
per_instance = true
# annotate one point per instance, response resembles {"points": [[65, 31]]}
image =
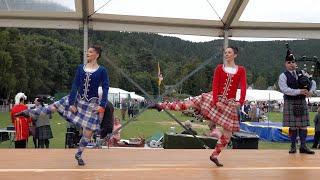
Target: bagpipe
{"points": [[308, 68]]}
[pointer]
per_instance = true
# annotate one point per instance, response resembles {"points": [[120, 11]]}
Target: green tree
{"points": [[7, 78], [261, 83]]}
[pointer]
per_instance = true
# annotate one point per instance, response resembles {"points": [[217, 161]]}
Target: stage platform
{"points": [[156, 164]]}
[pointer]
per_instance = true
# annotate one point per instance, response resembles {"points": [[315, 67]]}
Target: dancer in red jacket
{"points": [[220, 105]]}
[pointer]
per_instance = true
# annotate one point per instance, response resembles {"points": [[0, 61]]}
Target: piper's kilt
{"points": [[86, 117], [227, 118], [292, 120], [44, 132]]}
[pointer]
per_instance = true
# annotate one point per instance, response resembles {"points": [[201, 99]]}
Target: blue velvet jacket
{"points": [[86, 85]]}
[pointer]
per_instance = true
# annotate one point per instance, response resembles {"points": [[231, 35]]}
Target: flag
{"points": [[160, 78]]}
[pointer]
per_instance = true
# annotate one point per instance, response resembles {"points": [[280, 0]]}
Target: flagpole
{"points": [[159, 93], [159, 80]]}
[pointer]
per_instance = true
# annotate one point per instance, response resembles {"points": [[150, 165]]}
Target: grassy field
{"points": [[149, 123]]}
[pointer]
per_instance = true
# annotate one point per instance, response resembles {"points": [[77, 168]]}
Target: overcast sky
{"points": [[256, 10]]}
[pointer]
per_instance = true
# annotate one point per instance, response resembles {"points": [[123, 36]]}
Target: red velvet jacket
{"points": [[227, 84], [21, 124]]}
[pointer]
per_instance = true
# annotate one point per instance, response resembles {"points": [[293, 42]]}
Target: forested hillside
{"points": [[38, 61]]}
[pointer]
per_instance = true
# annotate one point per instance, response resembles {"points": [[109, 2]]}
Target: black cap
{"points": [[289, 56]]}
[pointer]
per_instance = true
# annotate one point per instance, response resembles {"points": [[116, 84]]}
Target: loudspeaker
{"points": [[4, 136], [244, 140]]}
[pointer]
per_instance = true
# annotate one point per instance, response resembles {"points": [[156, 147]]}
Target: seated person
{"points": [[116, 132], [214, 131], [188, 125]]}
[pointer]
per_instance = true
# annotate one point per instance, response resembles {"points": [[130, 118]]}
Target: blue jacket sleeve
{"points": [[75, 87], [105, 87]]}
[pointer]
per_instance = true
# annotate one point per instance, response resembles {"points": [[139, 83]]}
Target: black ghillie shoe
{"points": [[293, 149], [215, 160], [80, 160], [306, 150]]}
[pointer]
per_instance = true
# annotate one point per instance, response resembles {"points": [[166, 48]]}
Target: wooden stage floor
{"points": [[154, 164]]}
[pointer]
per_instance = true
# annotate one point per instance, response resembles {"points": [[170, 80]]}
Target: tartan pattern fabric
{"points": [[44, 132], [289, 119], [86, 117], [227, 117], [221, 144]]}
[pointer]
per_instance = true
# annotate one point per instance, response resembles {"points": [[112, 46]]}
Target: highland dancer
{"points": [[82, 106], [220, 105]]}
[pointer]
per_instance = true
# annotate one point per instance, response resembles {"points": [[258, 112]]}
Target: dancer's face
{"points": [[92, 55], [229, 55]]}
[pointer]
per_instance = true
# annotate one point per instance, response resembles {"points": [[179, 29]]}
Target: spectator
{"points": [[135, 108], [116, 132], [21, 124], [32, 131], [124, 108], [255, 113], [245, 111], [214, 131], [188, 125], [316, 129], [43, 129], [130, 109]]}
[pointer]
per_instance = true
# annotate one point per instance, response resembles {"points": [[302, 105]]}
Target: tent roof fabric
{"points": [[237, 18]]}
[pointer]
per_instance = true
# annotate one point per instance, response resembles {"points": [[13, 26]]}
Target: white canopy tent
{"points": [[115, 95], [262, 95], [313, 100], [133, 95]]}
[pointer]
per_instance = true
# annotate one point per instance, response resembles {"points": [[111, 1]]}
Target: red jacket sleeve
{"points": [[215, 85], [243, 85]]}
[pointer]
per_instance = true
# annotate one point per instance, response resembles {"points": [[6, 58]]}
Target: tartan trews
{"points": [[221, 144]]}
